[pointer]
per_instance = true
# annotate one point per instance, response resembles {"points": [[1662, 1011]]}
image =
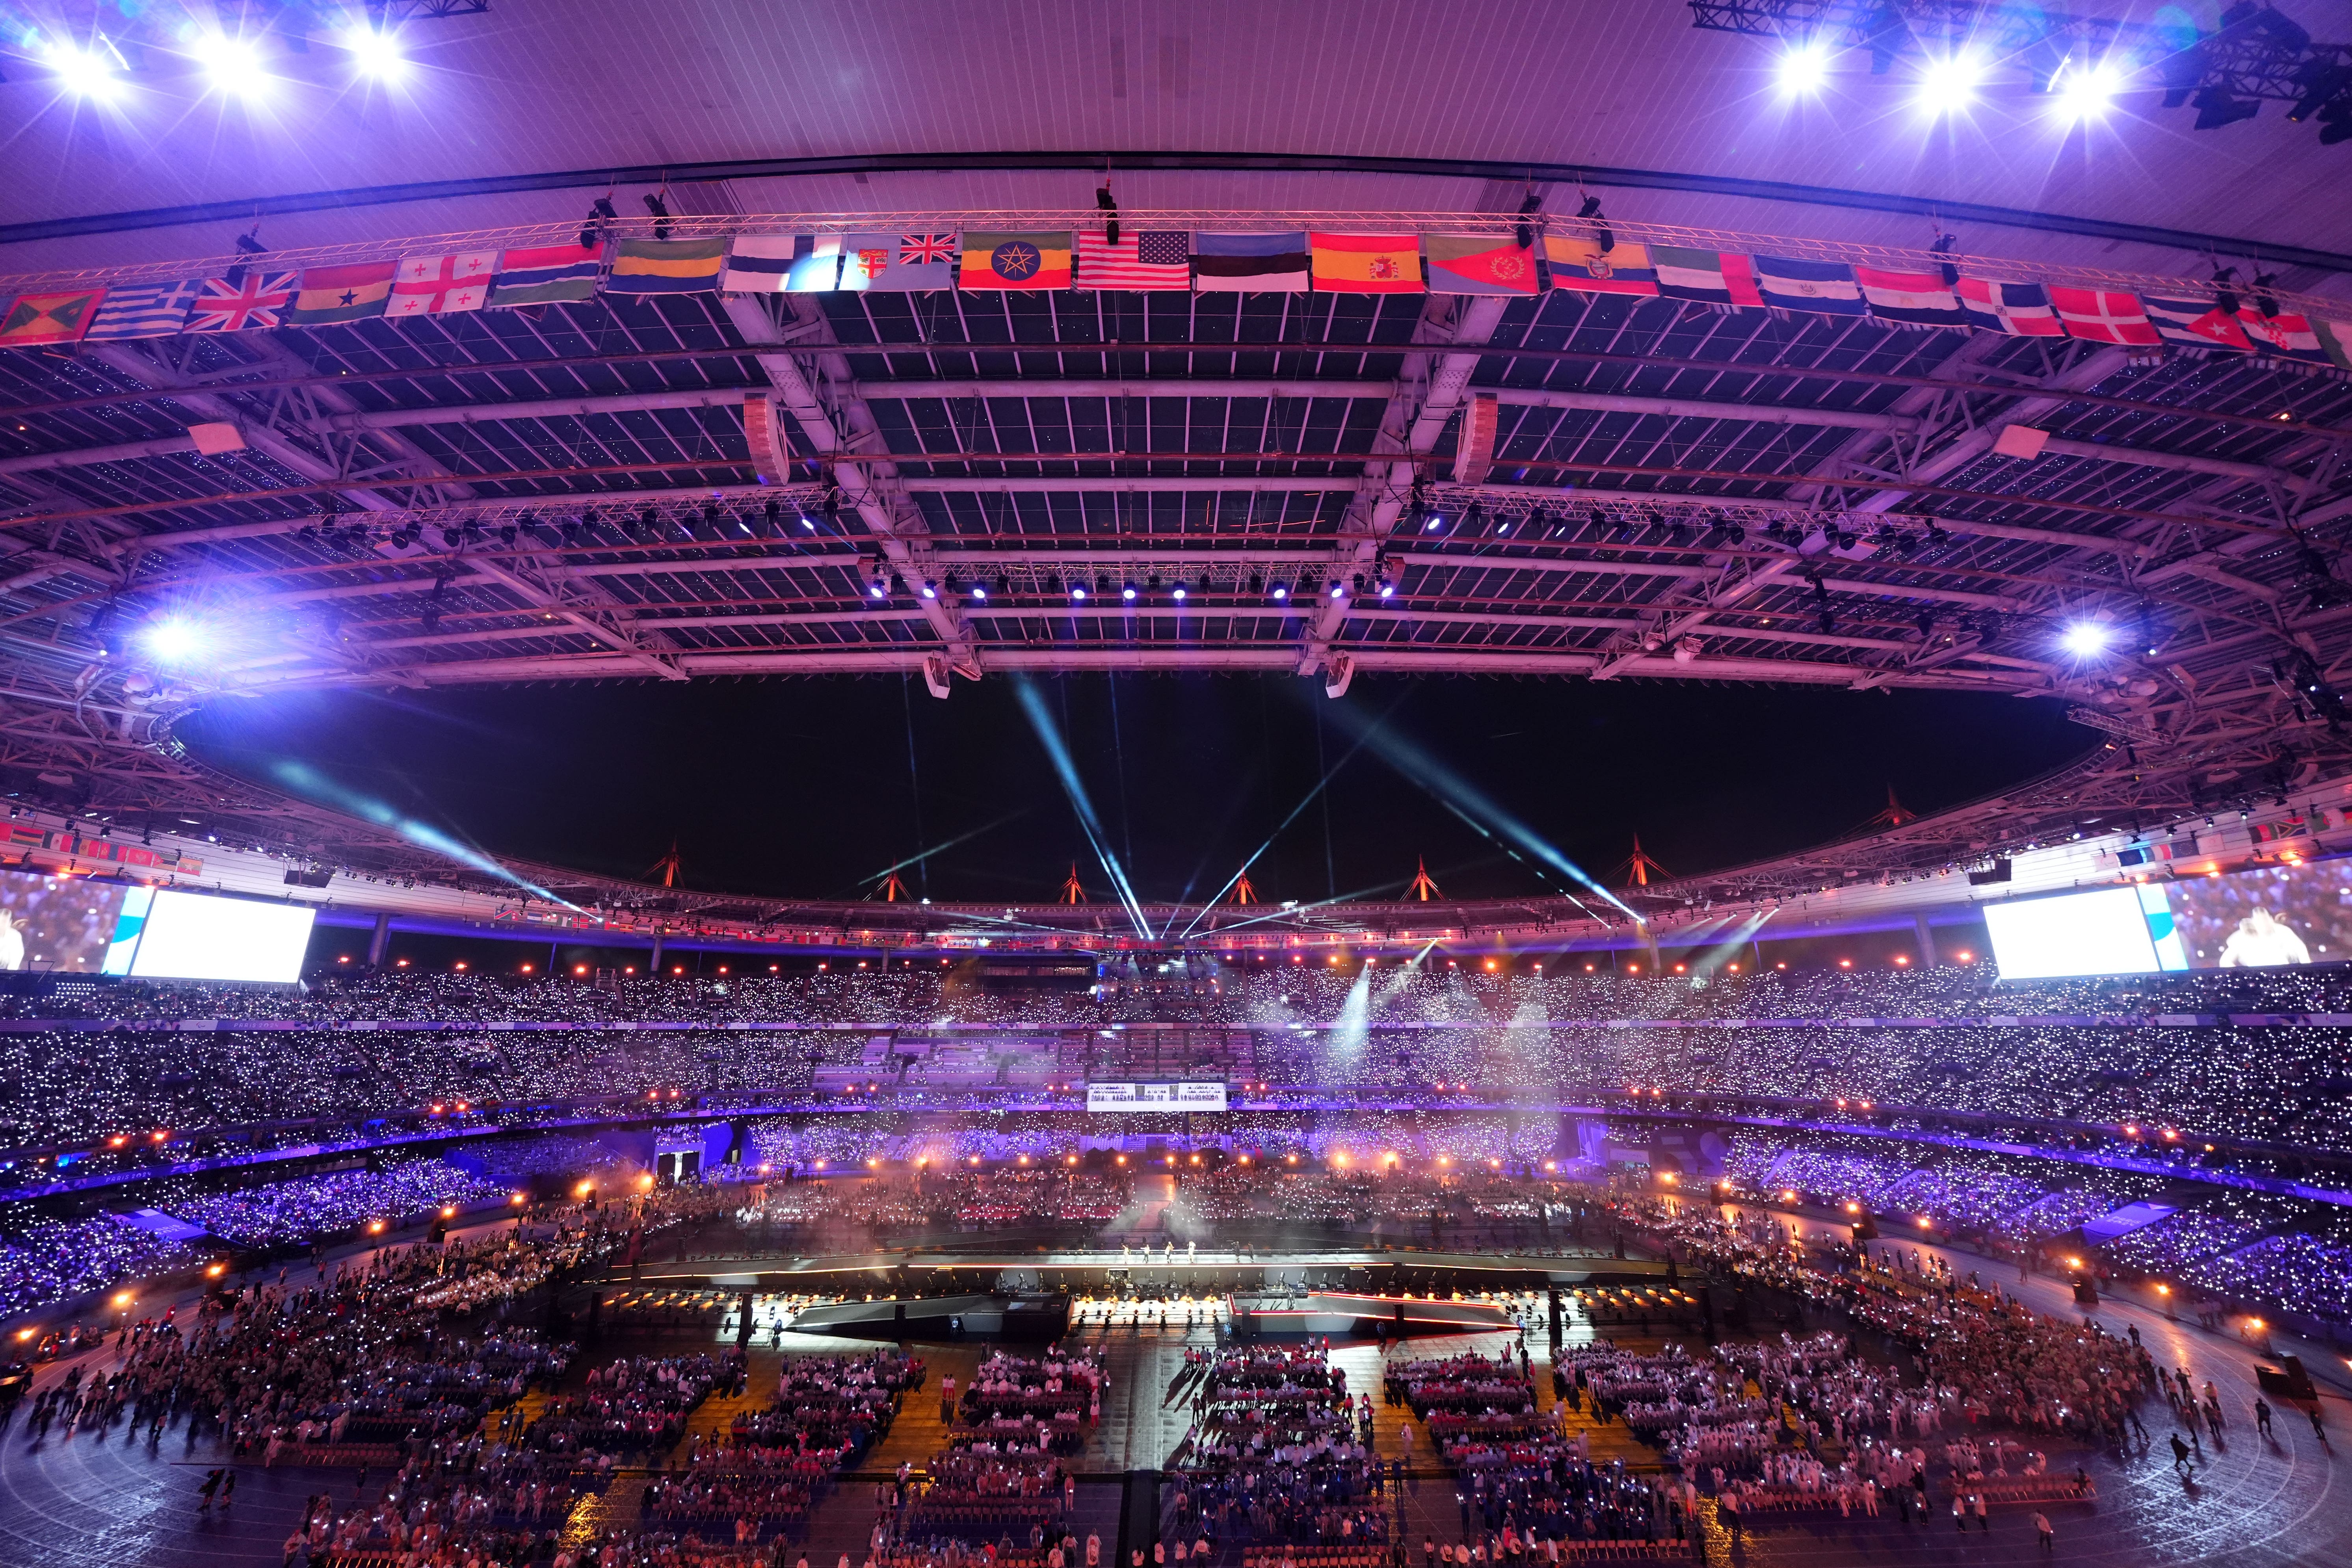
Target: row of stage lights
{"points": [[232, 65], [1127, 592], [2084, 90]]}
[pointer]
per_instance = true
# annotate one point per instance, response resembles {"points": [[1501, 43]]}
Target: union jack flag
{"points": [[916, 249], [256, 300]]}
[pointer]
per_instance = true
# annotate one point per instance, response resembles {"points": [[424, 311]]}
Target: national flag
{"points": [[1366, 263], [251, 300], [1819, 288], [547, 275], [666, 266], [35, 319], [2018, 309], [898, 263], [2335, 339], [1586, 266], [1250, 263], [1480, 264], [352, 292], [2201, 323], [1714, 277], [441, 285], [1917, 298], [2102, 316], [1029, 259], [1151, 258], [2284, 336], [143, 311]]}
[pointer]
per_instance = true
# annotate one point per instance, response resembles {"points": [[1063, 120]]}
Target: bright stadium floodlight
{"points": [[376, 53], [85, 73], [173, 639], [1804, 67], [1949, 84], [2084, 639], [2087, 91], [233, 64]]}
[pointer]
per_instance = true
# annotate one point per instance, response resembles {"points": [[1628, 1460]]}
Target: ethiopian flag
{"points": [[1015, 262], [1366, 263], [36, 319], [351, 293]]}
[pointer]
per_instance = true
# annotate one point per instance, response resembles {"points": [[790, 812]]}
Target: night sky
{"points": [[812, 788]]}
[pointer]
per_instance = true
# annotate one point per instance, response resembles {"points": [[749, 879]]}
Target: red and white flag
{"points": [[1154, 259], [436, 285], [2104, 316]]}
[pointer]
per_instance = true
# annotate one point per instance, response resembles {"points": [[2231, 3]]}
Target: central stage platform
{"points": [[1205, 1272]]}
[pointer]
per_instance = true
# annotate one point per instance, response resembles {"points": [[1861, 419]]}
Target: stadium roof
{"points": [[1676, 492]]}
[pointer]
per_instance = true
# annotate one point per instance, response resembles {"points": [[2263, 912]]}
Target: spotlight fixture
{"points": [[2084, 639], [2086, 91], [660, 209], [1338, 589], [1281, 592], [1387, 588], [85, 73], [1803, 68], [1178, 591], [1949, 84], [878, 589], [979, 589], [1127, 592], [930, 589], [233, 64], [1078, 592], [2216, 108]]}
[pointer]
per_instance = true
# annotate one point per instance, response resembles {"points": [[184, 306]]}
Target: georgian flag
{"points": [[2019, 309], [438, 285]]}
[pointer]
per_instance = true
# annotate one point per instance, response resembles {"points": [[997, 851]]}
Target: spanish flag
{"points": [[1015, 262], [1366, 263], [36, 319], [667, 266], [352, 293]]}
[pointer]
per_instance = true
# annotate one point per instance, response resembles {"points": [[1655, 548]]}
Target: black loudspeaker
{"points": [[2085, 1293], [1864, 1229]]}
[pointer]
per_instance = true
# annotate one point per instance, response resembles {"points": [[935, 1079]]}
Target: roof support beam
{"points": [[1444, 319], [869, 484]]}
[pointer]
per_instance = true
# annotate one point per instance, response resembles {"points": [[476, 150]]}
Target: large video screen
{"points": [[2267, 918], [1155, 1096], [57, 922], [2105, 932], [188, 936]]}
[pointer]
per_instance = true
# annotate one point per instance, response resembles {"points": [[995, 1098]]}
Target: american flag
{"points": [[1154, 259], [236, 305]]}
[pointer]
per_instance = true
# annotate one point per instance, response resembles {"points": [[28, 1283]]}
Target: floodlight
{"points": [[233, 64], [2088, 91], [376, 53], [1803, 68], [173, 639], [1951, 83], [2084, 638], [87, 73]]}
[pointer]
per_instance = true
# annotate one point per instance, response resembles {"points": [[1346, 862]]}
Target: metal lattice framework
{"points": [[1676, 493]]}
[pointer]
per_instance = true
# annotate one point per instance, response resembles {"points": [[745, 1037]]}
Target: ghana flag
{"points": [[347, 293], [1039, 260]]}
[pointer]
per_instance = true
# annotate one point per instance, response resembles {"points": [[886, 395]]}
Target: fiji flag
{"points": [[894, 263], [1820, 288]]}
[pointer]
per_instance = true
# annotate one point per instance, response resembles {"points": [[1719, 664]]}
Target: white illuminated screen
{"points": [[2084, 933], [191, 937]]}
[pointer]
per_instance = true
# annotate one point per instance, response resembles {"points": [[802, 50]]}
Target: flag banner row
{"points": [[1009, 261]]}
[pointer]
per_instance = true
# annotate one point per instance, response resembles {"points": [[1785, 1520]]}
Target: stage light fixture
{"points": [[173, 639], [1803, 68], [1127, 592], [1339, 590], [1078, 592], [233, 64], [2216, 109], [930, 589], [2084, 639], [1281, 592], [1178, 591], [1433, 521], [87, 73], [878, 589], [978, 590], [1949, 84], [1387, 588], [376, 52]]}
